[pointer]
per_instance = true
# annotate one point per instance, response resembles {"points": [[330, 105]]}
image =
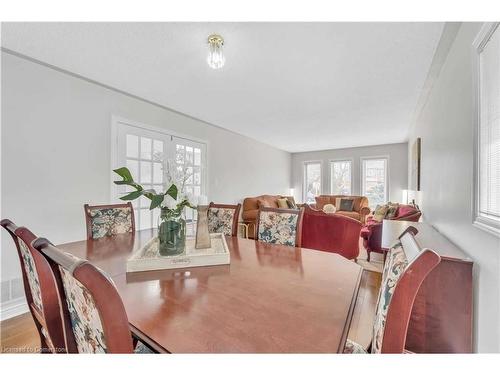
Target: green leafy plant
{"points": [[175, 205]]}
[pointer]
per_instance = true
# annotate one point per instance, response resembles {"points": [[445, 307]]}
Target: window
{"points": [[312, 181], [340, 177], [374, 180], [145, 151], [487, 155]]}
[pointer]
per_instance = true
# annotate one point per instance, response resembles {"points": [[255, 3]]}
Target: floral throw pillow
{"points": [[380, 212], [392, 210]]}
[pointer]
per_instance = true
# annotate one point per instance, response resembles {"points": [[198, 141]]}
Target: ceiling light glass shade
{"points": [[215, 57]]}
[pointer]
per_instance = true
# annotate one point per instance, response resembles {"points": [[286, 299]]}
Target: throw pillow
{"points": [[329, 208], [346, 205], [380, 212], [392, 210], [405, 210], [291, 203], [337, 203], [282, 203]]}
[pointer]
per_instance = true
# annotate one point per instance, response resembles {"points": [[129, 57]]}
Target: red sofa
{"points": [[372, 230], [330, 232]]}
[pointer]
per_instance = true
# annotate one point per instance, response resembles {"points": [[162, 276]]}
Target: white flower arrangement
{"points": [[174, 198]]}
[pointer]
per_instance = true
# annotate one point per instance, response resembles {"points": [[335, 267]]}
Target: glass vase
{"points": [[171, 232]]}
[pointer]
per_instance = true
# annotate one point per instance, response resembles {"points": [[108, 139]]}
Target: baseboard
{"points": [[13, 308]]}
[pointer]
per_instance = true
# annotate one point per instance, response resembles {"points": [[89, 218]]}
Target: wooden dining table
{"points": [[269, 299]]}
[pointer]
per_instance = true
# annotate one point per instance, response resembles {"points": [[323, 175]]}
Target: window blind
{"points": [[489, 128]]}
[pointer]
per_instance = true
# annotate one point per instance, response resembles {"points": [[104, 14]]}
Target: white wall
{"points": [[445, 125], [56, 152], [398, 167]]}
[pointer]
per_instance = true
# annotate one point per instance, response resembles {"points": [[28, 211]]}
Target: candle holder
{"points": [[202, 233]]}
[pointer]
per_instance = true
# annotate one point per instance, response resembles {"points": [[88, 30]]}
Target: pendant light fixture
{"points": [[215, 57]]}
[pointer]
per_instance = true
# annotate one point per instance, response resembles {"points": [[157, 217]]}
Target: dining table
{"points": [[270, 298]]}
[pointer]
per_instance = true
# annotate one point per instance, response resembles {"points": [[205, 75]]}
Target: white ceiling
{"points": [[296, 86]]}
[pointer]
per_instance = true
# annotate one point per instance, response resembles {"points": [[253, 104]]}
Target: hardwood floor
{"points": [[19, 335], [362, 320]]}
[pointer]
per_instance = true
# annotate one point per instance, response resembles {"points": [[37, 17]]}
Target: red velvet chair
{"points": [[330, 232], [372, 230]]}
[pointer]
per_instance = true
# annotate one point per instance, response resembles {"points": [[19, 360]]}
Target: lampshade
{"points": [[404, 199]]}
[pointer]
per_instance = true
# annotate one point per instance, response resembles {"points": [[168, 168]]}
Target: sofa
{"points": [[372, 230], [251, 207], [360, 208], [330, 232]]}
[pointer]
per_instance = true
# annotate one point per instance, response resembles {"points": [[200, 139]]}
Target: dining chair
{"points": [[94, 317], [280, 226], [109, 219], [40, 289], [405, 269], [223, 218]]}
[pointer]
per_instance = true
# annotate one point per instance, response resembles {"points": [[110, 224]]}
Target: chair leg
{"points": [[368, 257]]}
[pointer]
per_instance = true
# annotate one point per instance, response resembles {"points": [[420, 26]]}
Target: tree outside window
{"points": [[375, 181], [312, 181], [340, 183]]}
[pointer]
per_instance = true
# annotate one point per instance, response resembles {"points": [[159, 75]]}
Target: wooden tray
{"points": [[148, 258]]}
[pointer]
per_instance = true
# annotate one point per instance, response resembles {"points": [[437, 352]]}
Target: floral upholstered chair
{"points": [[94, 317], [280, 226], [405, 269], [223, 218], [108, 220], [40, 289]]}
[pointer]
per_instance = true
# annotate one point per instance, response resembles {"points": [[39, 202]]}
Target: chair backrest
{"points": [[330, 232], [108, 220], [40, 289], [95, 320], [223, 218], [280, 225], [406, 267]]}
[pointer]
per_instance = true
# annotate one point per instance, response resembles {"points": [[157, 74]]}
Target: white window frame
{"points": [[304, 177], [481, 220], [330, 163], [115, 163], [387, 174]]}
